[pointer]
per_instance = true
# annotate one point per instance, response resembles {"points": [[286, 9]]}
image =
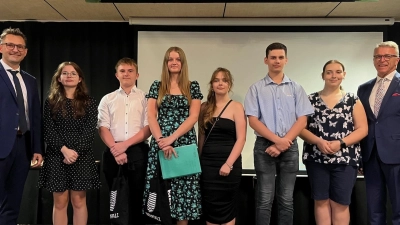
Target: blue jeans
{"points": [[284, 167]]}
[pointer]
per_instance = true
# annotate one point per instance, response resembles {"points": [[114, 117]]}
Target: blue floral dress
{"points": [[185, 191]]}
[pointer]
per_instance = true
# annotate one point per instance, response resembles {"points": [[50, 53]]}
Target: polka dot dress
{"points": [[76, 134]]}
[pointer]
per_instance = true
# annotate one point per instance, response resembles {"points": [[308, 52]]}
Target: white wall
{"points": [[243, 54]]}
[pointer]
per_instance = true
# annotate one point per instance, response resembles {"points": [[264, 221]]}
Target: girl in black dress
{"points": [[69, 169], [220, 159]]}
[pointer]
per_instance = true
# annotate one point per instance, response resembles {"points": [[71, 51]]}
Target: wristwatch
{"points": [[342, 144]]}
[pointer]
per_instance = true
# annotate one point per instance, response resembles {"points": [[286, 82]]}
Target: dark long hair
{"points": [[57, 96]]}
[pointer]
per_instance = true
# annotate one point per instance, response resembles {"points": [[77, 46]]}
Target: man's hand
{"points": [[118, 148], [273, 151], [37, 160], [283, 144], [121, 159]]}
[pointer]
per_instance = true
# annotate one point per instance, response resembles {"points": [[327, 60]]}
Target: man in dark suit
{"points": [[381, 148], [20, 124]]}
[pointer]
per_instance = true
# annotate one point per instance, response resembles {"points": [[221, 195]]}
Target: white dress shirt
{"points": [[124, 115], [386, 84], [23, 87]]}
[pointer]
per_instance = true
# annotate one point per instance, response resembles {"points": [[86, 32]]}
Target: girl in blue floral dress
{"points": [[173, 109]]}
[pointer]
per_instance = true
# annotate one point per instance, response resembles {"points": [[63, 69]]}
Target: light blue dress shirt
{"points": [[277, 105]]}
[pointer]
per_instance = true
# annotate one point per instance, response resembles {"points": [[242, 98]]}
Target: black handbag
{"points": [[119, 197], [158, 202]]}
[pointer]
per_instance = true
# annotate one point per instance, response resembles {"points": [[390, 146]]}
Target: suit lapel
{"points": [[7, 81], [392, 87]]}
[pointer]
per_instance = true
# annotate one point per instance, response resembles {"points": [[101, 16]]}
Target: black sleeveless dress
{"points": [[219, 193]]}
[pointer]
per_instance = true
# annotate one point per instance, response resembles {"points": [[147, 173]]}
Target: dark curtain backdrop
{"points": [[95, 47]]}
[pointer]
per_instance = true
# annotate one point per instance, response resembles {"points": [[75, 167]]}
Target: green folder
{"points": [[187, 162]]}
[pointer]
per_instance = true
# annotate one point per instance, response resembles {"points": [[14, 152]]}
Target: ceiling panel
{"points": [[171, 9], [279, 9], [382, 8], [81, 10], [27, 10]]}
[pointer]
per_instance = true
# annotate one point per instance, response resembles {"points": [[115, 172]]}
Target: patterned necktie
{"points": [[379, 96], [23, 125]]}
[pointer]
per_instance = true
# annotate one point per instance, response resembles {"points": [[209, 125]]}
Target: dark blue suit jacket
{"points": [[9, 110], [385, 128]]}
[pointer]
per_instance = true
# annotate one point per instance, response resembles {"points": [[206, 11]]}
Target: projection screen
{"points": [[243, 54]]}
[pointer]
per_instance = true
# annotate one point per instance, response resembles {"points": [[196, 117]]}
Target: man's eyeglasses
{"points": [[73, 74], [11, 46], [385, 57]]}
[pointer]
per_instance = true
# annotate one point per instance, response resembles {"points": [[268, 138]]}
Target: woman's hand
{"points": [[335, 146], [168, 151], [324, 146], [166, 141], [70, 156], [225, 170]]}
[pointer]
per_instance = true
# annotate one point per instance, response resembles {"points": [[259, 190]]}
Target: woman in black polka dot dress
{"points": [[70, 118]]}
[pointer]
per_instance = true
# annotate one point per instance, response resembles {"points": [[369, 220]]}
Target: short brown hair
{"points": [[13, 31], [127, 61], [275, 46]]}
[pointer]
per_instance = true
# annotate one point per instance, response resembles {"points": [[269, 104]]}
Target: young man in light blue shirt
{"points": [[277, 109]]}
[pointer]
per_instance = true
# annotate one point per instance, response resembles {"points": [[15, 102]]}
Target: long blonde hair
{"points": [[183, 82], [208, 110]]}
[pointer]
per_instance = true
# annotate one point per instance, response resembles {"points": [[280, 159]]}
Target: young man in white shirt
{"points": [[123, 127]]}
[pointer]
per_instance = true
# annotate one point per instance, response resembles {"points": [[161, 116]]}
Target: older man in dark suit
{"points": [[381, 148], [20, 124]]}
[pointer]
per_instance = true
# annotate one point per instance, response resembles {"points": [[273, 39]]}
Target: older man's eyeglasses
{"points": [[72, 74], [11, 46], [385, 57]]}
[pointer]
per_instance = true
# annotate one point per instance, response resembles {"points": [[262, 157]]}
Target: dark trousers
{"points": [[135, 172], [13, 172], [380, 178]]}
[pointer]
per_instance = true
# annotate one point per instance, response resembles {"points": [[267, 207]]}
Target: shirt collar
{"points": [[268, 80], [389, 76], [133, 90], [7, 67]]}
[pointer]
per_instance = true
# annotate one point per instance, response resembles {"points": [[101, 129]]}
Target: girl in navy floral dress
{"points": [[173, 109], [331, 146]]}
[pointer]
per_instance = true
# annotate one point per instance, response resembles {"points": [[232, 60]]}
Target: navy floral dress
{"points": [[185, 191], [332, 124]]}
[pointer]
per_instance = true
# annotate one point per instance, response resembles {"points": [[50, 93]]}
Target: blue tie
{"points": [[23, 125]]}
